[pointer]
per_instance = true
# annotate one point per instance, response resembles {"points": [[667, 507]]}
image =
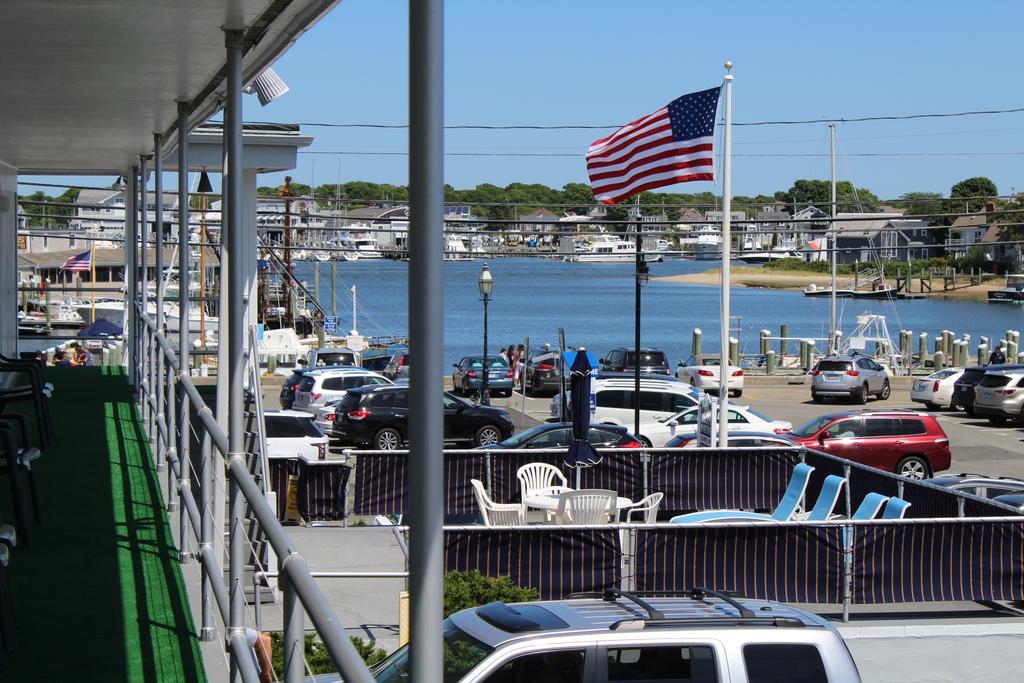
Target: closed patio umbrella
{"points": [[581, 453]]}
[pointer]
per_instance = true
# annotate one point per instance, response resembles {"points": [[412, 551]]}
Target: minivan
{"points": [[659, 398], [652, 361]]}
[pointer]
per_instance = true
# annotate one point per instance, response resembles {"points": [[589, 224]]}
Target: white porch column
{"points": [[8, 260]]}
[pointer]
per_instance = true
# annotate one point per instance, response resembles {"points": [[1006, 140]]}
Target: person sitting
{"points": [[84, 356], [61, 359]]}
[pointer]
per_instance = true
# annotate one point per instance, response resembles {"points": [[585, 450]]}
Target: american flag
{"points": [[79, 262], [673, 145]]}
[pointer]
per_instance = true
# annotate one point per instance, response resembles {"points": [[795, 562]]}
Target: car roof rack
{"points": [[702, 593]]}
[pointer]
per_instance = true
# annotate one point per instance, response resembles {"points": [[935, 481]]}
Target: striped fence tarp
{"points": [[938, 561], [382, 484], [321, 495], [555, 562], [789, 564], [721, 480]]}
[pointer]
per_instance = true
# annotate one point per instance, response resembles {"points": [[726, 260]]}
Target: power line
{"points": [[781, 122], [794, 155]]}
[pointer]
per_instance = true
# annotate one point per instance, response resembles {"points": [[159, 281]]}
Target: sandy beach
{"points": [[745, 276]]}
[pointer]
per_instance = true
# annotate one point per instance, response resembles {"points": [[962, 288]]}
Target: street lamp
{"points": [[642, 276], [486, 283]]}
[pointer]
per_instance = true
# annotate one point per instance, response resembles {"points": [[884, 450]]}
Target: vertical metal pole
{"points": [[235, 285], [144, 301], [131, 275], [158, 226], [723, 360], [636, 325], [847, 570], [833, 252], [294, 637], [206, 533], [171, 420], [184, 306], [426, 307]]}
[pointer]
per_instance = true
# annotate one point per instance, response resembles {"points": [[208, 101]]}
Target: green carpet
{"points": [[99, 595]]}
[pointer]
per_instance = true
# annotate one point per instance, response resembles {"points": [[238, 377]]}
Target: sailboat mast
{"points": [[833, 251]]}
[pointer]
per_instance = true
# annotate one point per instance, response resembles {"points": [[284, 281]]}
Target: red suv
{"points": [[907, 443]]}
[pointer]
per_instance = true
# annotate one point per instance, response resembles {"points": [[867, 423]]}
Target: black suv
{"points": [[378, 417], [963, 388], [287, 396], [622, 359]]}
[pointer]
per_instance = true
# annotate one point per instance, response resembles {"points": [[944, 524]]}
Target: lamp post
{"points": [[642, 276], [486, 283]]}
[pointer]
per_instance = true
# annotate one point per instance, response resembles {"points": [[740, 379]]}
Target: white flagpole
{"points": [[723, 362]]}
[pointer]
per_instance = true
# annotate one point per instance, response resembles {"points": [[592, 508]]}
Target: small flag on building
{"points": [[673, 145], [79, 262]]}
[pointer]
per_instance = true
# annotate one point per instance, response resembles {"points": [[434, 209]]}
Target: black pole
{"points": [[636, 332], [485, 399]]}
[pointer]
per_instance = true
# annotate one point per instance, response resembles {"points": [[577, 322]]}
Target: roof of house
{"points": [[971, 220], [88, 196]]}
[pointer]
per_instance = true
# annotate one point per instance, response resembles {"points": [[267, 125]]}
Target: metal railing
{"points": [[300, 593]]}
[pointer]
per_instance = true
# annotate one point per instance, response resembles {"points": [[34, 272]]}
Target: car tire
{"points": [[817, 398], [1020, 418], [969, 410], [913, 467], [931, 406], [646, 442], [488, 435], [861, 395], [885, 392], [737, 393], [996, 419], [387, 439]]}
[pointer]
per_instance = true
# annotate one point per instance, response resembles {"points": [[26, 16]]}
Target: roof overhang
{"points": [[268, 148], [86, 84]]}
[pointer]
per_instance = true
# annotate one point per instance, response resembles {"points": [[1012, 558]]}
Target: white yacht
{"points": [[366, 246], [455, 249], [114, 311], [602, 248], [708, 246]]}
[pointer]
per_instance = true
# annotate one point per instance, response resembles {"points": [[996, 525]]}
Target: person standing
{"points": [[997, 357]]}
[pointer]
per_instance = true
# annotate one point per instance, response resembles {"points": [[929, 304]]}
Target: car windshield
{"points": [[461, 654], [971, 376], [834, 366], [811, 428], [678, 417], [994, 381], [758, 414], [942, 374], [337, 358], [495, 362], [710, 361], [653, 358], [291, 427]]}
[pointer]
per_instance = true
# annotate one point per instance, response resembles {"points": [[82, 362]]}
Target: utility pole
{"points": [[286, 192]]}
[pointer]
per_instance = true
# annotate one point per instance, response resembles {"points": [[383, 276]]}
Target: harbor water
{"points": [[593, 302]]}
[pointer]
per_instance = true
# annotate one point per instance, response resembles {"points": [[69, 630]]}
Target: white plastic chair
{"points": [[586, 506], [649, 506], [537, 478], [497, 514]]}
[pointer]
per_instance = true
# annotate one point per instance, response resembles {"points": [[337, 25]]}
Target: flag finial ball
{"points": [[728, 64]]}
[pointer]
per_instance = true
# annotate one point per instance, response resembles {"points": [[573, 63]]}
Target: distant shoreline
{"points": [[745, 276]]}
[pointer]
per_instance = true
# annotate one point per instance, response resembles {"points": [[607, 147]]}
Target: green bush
{"points": [[464, 590], [317, 657], [801, 266]]}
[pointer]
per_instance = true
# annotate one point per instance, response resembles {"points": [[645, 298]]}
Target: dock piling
{"points": [[695, 345], [939, 360], [770, 362], [783, 333], [982, 353]]}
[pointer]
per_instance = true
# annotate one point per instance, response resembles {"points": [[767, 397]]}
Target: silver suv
{"points": [[850, 376], [1000, 395], [706, 638]]}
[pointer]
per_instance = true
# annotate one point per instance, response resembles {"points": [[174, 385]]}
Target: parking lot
{"points": [[976, 445]]}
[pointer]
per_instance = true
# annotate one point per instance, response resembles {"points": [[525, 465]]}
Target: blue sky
{"points": [[603, 62]]}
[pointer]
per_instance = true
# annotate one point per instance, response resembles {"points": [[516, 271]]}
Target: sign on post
{"points": [[707, 430], [330, 324]]}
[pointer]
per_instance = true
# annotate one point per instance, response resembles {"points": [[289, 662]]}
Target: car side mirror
{"points": [[673, 423], [300, 361], [821, 438], [455, 365]]}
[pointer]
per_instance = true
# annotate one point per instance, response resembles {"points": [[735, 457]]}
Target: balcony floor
{"points": [[99, 595]]}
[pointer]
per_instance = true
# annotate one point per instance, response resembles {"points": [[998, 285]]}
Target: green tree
{"points": [[806, 192], [975, 191], [578, 197]]}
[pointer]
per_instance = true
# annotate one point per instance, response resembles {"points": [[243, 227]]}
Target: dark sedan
{"points": [[543, 370], [559, 434], [378, 417], [736, 440]]}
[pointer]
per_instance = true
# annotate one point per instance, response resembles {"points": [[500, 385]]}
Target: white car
{"points": [[291, 434], [319, 387], [323, 415], [936, 390], [741, 419], [702, 372]]}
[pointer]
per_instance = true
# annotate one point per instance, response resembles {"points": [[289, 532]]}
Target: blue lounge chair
{"points": [[783, 511], [870, 506], [895, 508], [827, 498]]}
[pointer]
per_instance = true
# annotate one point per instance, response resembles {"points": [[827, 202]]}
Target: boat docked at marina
{"points": [[761, 257], [366, 246], [602, 248], [1012, 293]]}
